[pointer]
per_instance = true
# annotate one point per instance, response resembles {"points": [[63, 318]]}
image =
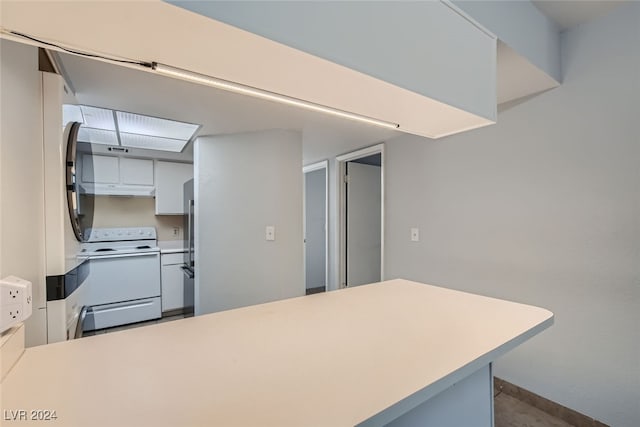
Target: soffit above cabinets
{"points": [[167, 34]]}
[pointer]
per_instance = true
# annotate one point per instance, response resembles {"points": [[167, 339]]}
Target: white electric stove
{"points": [[124, 279]]}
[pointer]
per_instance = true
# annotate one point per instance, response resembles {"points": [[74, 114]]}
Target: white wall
{"points": [[544, 209], [22, 180], [397, 42], [111, 211], [61, 245], [243, 183], [315, 222], [522, 27]]}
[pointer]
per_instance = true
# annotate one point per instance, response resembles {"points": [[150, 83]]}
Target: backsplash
{"points": [[110, 211]]}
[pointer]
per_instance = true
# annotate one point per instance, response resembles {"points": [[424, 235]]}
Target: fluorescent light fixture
{"points": [[98, 118], [152, 142], [153, 126], [263, 94], [108, 127], [71, 113], [97, 136]]}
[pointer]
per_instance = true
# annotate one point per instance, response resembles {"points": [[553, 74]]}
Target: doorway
{"points": [[362, 214], [316, 227]]}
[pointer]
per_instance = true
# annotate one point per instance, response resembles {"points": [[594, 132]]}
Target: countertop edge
{"points": [[410, 402]]}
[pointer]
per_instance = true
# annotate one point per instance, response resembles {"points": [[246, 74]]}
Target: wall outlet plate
{"points": [[16, 301], [270, 233]]}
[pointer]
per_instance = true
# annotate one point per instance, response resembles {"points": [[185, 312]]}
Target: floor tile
{"points": [[511, 412], [171, 318]]}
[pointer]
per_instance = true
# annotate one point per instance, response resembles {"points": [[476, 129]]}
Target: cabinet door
{"points": [[172, 287], [100, 169], [170, 179], [136, 171]]}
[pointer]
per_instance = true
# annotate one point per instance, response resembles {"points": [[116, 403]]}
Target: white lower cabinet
{"points": [[172, 281]]}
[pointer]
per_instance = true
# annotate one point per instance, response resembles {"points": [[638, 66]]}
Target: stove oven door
{"points": [[125, 288]]}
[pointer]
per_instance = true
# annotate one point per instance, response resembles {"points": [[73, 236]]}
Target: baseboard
{"points": [[174, 312], [552, 408]]}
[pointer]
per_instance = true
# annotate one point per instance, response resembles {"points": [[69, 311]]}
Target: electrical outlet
{"points": [[415, 235], [11, 314], [270, 233], [176, 231], [9, 296], [15, 301]]}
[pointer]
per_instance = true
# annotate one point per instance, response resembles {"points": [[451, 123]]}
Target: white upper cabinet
{"points": [[100, 169], [136, 171], [170, 179], [116, 176]]}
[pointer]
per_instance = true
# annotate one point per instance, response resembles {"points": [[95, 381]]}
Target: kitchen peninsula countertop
{"points": [[334, 359]]}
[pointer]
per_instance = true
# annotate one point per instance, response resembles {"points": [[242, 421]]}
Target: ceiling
{"points": [[106, 85], [569, 13], [122, 88]]}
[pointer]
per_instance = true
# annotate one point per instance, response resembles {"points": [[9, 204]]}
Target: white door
{"points": [[363, 224], [315, 229]]}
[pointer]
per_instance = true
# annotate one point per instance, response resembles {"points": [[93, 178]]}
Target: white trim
{"points": [[316, 166], [341, 161], [363, 152], [324, 164]]}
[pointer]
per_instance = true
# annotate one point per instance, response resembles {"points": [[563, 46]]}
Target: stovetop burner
{"points": [[119, 241]]}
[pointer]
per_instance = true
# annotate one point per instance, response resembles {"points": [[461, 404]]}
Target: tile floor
{"points": [[509, 411], [311, 291]]}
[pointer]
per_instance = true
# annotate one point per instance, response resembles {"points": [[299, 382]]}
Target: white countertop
{"points": [[332, 359], [171, 246]]}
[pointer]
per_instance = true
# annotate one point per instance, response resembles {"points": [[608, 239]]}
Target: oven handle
{"points": [[188, 271], [80, 324], [121, 307], [190, 225], [125, 255]]}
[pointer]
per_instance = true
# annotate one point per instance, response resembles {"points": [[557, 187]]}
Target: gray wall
{"points": [[315, 217], [543, 208], [243, 183]]}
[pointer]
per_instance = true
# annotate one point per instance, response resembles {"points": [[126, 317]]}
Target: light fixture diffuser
{"points": [[263, 94], [153, 126], [152, 142], [98, 118], [97, 136], [109, 127], [71, 113]]}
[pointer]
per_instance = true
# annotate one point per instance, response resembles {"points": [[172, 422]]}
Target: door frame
{"points": [[324, 164], [342, 200]]}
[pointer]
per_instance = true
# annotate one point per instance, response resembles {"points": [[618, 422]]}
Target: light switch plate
{"points": [[415, 235], [270, 233]]}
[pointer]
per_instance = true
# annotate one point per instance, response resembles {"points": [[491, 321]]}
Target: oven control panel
{"points": [[120, 234]]}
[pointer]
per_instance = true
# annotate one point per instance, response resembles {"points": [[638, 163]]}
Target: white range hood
{"points": [[118, 190]]}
